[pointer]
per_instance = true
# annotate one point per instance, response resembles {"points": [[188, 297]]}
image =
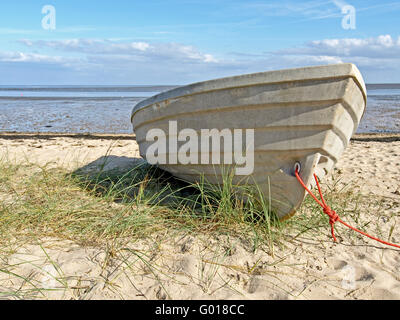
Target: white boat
{"points": [[303, 116]]}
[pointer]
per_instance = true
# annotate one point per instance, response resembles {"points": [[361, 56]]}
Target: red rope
{"points": [[333, 217]]}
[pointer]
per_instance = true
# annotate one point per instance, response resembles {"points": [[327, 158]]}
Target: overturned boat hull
{"points": [[303, 116]]}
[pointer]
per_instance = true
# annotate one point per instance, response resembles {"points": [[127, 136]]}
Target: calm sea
{"points": [[383, 109], [77, 109], [106, 109]]}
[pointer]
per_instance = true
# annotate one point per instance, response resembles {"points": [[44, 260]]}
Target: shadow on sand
{"points": [[126, 179]]}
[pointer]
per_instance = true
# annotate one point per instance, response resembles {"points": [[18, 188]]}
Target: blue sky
{"points": [[178, 42]]}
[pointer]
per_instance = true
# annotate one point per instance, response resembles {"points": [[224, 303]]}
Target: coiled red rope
{"points": [[333, 217]]}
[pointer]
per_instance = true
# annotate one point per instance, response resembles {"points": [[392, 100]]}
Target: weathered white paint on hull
{"points": [[304, 115]]}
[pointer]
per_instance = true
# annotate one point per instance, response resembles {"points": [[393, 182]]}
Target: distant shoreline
{"points": [[382, 137], [377, 86], [49, 135]]}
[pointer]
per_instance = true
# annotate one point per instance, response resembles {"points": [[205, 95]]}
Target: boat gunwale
{"points": [[353, 73]]}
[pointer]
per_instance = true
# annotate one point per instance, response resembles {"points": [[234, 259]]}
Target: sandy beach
{"points": [[194, 266]]}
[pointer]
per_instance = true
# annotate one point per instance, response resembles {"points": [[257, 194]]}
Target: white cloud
{"points": [[145, 50], [313, 52], [33, 57], [381, 47], [115, 61], [105, 61]]}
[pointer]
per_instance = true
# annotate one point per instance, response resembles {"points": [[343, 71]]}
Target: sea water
{"points": [[107, 109]]}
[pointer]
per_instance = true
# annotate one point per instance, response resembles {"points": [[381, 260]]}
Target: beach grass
{"points": [[92, 207], [98, 206], [138, 222], [114, 208]]}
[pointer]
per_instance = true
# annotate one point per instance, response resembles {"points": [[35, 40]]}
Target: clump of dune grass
{"points": [[111, 208], [94, 207], [201, 206]]}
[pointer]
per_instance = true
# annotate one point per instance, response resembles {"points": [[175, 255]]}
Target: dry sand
{"points": [[193, 267]]}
